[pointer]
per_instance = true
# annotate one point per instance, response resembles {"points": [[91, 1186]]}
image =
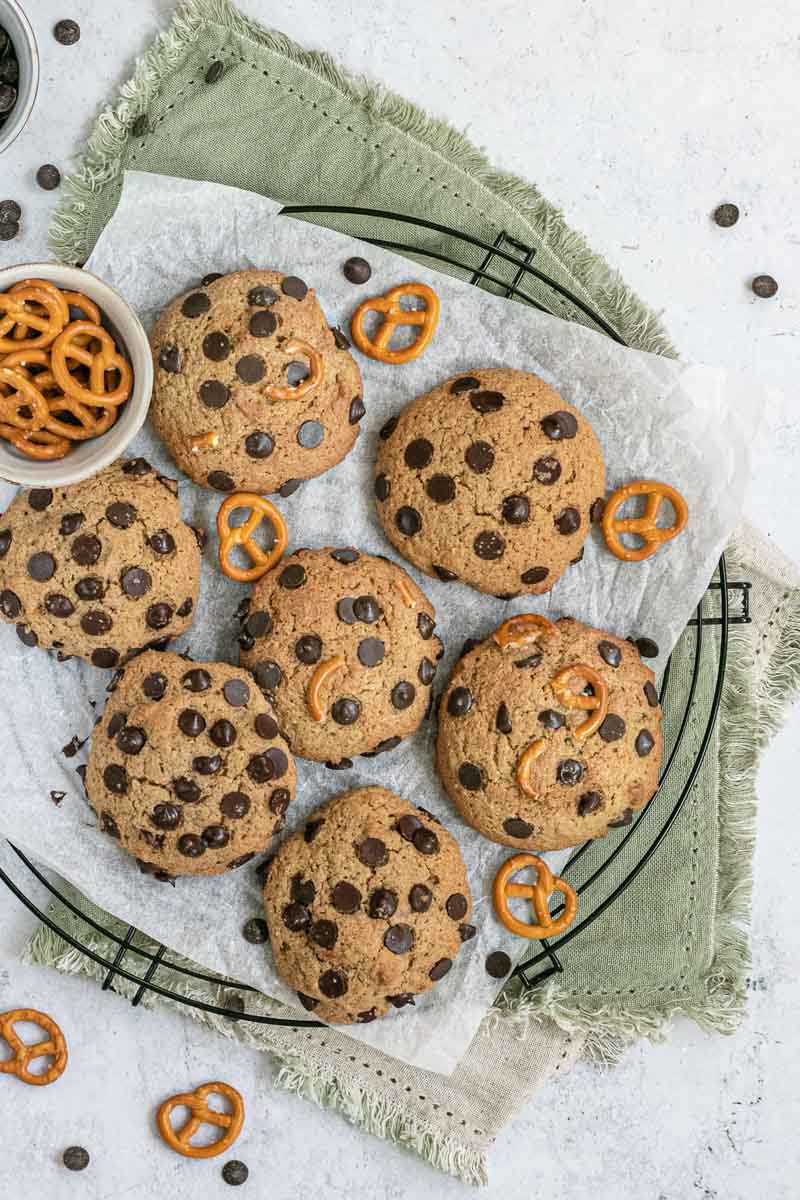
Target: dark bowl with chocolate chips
{"points": [[19, 71], [86, 458]]}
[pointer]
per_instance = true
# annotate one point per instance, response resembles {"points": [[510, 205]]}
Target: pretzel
{"points": [[521, 630], [426, 319], [539, 893], [22, 306], [89, 309], [277, 391], [36, 443], [89, 425], [70, 344], [645, 526], [203, 441], [524, 764], [179, 1140], [315, 685], [54, 1047], [25, 394], [241, 535], [404, 590], [596, 703]]}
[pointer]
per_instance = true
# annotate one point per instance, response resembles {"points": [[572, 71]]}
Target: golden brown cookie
{"points": [[102, 568], [253, 391], [342, 644], [505, 732], [491, 478], [367, 906], [188, 770]]}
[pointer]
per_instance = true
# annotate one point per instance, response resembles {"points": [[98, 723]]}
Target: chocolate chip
{"points": [[609, 653], [401, 999], [5, 542], [41, 566], [647, 647], [420, 898], [186, 607], [324, 933], [370, 652], [166, 816], [764, 286], [261, 297], [339, 338], [625, 819], [75, 1158], [213, 393], [279, 761], [105, 657], [466, 932], [136, 582], [312, 829], [258, 624], [235, 805], [158, 616], [459, 702], [567, 521], [487, 402], [726, 215], [236, 692], [27, 636], [470, 776], [440, 969], [546, 470], [559, 426], [8, 229], [255, 931], [612, 728], [425, 625], [382, 747], [357, 410], [263, 324], [408, 520], [444, 573], [516, 509], [222, 733], [170, 358], [266, 727], [367, 609], [86, 550], [67, 33], [161, 542], [418, 453], [235, 1172], [70, 522], [425, 841], [456, 906], [186, 790], [332, 984], [96, 622], [308, 648], [651, 694], [250, 368], [387, 429], [196, 680], [58, 605], [196, 304], [503, 718], [154, 685], [569, 772], [107, 822], [372, 852], [440, 488], [479, 457], [211, 277], [216, 346], [532, 660], [10, 212], [279, 801], [498, 964], [346, 898], [90, 588], [356, 270], [260, 768], [268, 674], [292, 577], [215, 71], [131, 739], [294, 287], [402, 695], [489, 545], [40, 498], [535, 575], [517, 828], [589, 803], [551, 719], [48, 177], [345, 554], [382, 904], [399, 939], [116, 779], [644, 743], [216, 836], [310, 435], [408, 825], [467, 383], [344, 764], [191, 846], [191, 723], [596, 510]]}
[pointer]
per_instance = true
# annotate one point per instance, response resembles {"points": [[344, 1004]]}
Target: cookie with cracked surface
{"points": [[99, 569], [188, 770], [491, 479], [253, 391], [367, 906], [343, 644], [500, 702]]}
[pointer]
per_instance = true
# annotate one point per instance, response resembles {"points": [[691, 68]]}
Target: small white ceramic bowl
{"points": [[86, 458], [18, 28]]}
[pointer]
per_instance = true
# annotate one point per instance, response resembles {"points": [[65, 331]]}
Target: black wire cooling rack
{"points": [[506, 267]]}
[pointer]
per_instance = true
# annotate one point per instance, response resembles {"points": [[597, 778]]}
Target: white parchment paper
{"points": [[690, 426]]}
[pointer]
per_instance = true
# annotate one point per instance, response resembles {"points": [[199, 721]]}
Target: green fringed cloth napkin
{"points": [[289, 123]]}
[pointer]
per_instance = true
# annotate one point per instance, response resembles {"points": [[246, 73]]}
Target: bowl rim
{"points": [[108, 446], [12, 130]]}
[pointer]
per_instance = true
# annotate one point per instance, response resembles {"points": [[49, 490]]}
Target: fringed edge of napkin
{"points": [[103, 161]]}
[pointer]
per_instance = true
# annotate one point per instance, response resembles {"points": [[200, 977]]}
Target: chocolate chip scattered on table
{"points": [[48, 177], [67, 32]]}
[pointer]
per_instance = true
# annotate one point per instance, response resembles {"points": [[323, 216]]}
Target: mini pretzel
{"points": [[645, 526], [54, 1047], [277, 391], [393, 315], [89, 425], [526, 761], [406, 595], [203, 441], [539, 893], [36, 443], [597, 704], [70, 344], [241, 535], [315, 685], [179, 1140], [22, 307], [25, 394], [521, 630]]}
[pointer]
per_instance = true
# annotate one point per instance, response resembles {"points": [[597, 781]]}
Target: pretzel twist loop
{"points": [[538, 893], [242, 535], [23, 1055], [645, 526], [425, 319], [179, 1140]]}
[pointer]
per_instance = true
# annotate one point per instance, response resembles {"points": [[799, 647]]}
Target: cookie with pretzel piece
{"points": [[549, 734], [253, 391]]}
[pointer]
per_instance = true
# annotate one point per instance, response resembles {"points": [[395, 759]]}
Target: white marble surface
{"points": [[639, 118]]}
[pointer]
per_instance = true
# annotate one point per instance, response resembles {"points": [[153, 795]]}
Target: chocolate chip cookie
{"points": [[252, 390], [510, 750], [367, 906], [188, 770], [492, 479], [343, 644], [99, 569]]}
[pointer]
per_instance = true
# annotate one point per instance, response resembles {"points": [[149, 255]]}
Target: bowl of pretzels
{"points": [[76, 374]]}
